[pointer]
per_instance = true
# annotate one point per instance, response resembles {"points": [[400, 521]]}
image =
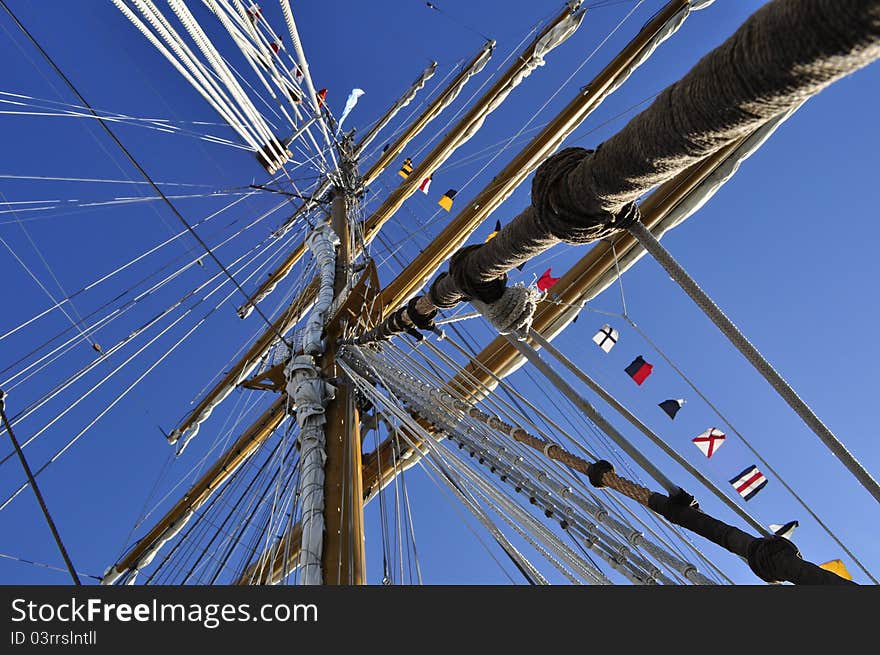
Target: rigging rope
{"points": [[672, 453], [45, 566], [738, 339], [552, 427], [769, 467], [442, 417], [131, 158]]}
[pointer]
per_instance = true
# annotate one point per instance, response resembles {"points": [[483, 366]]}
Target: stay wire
{"points": [[43, 565], [37, 493], [625, 316], [431, 5]]}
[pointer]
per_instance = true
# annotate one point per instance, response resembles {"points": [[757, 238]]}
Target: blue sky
{"points": [[787, 248]]}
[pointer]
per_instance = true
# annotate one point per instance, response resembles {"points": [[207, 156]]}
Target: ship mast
{"points": [[562, 27], [188, 428], [380, 467], [330, 380], [343, 558]]}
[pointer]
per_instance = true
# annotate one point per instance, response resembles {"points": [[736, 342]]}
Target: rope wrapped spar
{"points": [[784, 53], [773, 559]]}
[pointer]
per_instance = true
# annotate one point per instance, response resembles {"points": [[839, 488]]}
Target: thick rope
{"points": [[309, 393], [513, 312], [784, 53]]}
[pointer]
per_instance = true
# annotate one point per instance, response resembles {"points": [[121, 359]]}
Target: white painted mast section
{"points": [[309, 393], [307, 76]]}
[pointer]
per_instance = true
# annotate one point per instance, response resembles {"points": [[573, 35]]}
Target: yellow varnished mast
{"points": [[343, 558]]}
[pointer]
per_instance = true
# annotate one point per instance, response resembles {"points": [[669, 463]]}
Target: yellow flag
{"points": [[836, 566], [446, 199], [494, 232], [406, 169]]}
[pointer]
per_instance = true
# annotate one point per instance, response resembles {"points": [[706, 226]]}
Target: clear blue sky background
{"points": [[787, 248]]}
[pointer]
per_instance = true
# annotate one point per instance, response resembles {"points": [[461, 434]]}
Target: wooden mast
{"points": [[566, 21], [496, 359], [343, 558], [239, 371]]}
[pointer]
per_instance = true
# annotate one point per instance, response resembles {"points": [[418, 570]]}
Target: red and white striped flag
{"points": [[749, 482]]}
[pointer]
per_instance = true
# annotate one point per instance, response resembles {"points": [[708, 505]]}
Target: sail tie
{"points": [[562, 207], [513, 312]]}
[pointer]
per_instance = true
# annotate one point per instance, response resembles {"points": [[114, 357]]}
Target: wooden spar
{"points": [[243, 366], [343, 556], [500, 358], [453, 236], [245, 446], [431, 112]]}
